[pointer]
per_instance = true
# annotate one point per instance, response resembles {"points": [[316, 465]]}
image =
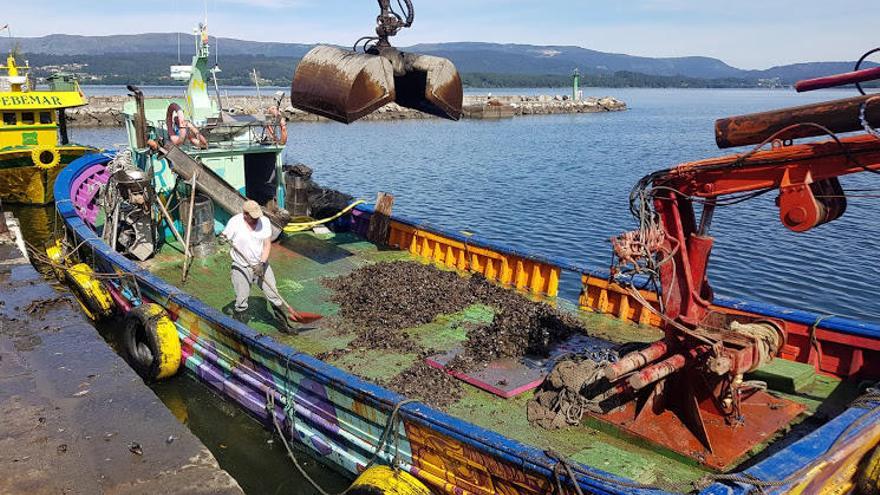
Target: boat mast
{"points": [[257, 82], [198, 103]]}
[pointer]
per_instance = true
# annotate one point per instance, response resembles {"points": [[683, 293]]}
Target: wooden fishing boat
{"points": [[322, 391], [31, 150], [482, 443]]}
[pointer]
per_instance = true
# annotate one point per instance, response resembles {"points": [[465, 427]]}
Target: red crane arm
{"points": [[775, 168], [809, 195], [697, 371]]}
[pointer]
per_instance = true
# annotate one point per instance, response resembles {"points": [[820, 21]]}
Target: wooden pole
{"points": [[170, 221], [837, 116], [380, 222], [187, 253]]}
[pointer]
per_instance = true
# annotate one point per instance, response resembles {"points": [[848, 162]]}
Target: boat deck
{"points": [[301, 263]]}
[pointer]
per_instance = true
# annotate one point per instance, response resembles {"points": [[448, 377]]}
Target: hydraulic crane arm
{"points": [[734, 174], [689, 391], [809, 194]]}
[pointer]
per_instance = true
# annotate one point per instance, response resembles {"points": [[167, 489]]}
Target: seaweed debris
{"points": [[434, 387], [383, 299], [39, 307], [398, 295]]}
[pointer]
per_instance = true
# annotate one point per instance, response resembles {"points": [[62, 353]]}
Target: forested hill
{"points": [[144, 58]]}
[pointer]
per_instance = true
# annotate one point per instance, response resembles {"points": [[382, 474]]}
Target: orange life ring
{"points": [[176, 124]]}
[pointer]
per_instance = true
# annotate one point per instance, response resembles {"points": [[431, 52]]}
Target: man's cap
{"points": [[252, 208]]}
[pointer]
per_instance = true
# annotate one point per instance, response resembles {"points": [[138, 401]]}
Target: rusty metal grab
{"points": [[342, 85], [346, 85]]}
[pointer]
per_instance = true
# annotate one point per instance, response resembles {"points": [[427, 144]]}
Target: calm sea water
{"points": [[559, 185]]}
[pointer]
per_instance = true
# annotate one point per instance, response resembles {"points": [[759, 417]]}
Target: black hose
{"points": [[859, 66]]}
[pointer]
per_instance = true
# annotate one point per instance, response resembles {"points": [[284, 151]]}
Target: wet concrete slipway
{"points": [[74, 418]]}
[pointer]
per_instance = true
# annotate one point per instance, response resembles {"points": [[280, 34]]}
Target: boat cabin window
{"points": [[27, 117], [45, 117], [9, 118]]}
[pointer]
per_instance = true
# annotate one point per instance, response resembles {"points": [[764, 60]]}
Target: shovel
{"points": [[301, 317]]}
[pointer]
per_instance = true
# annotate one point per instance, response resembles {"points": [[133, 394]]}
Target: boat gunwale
{"points": [[527, 457]]}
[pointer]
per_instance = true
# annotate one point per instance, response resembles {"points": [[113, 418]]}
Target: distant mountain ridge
{"points": [[469, 57]]}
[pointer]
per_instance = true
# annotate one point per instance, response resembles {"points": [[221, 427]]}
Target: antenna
{"points": [[9, 31], [257, 82], [13, 46], [214, 72]]}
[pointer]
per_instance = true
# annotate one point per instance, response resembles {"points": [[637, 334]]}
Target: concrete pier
{"points": [[74, 418], [106, 111]]}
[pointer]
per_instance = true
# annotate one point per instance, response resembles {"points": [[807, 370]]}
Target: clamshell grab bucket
{"points": [[431, 85], [344, 85]]}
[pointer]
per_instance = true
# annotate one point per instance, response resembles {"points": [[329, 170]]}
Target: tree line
{"points": [[153, 69]]}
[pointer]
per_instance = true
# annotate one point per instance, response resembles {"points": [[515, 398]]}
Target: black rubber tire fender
{"points": [[150, 342]]}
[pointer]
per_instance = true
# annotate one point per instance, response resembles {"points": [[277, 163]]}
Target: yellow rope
{"points": [[299, 227]]}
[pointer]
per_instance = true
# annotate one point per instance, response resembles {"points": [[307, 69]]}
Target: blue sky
{"points": [[745, 33]]}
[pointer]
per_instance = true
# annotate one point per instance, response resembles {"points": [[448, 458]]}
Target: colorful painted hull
{"points": [[340, 418], [22, 182]]}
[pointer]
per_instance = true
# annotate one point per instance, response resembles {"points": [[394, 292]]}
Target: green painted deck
{"points": [[301, 262]]}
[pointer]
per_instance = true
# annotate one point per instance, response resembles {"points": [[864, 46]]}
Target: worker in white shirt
{"points": [[250, 234]]}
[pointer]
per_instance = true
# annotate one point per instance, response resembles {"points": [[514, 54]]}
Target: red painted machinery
{"points": [[689, 392]]}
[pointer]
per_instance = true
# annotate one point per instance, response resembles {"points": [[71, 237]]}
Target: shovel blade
{"points": [[303, 317], [431, 85], [342, 85]]}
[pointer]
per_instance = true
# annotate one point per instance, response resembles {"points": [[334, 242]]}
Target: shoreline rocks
{"points": [[106, 111]]}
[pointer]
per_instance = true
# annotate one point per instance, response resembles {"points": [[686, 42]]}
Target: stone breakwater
{"points": [[106, 111]]}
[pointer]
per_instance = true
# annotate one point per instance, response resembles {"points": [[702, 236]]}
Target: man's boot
{"points": [[241, 316], [284, 324]]}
